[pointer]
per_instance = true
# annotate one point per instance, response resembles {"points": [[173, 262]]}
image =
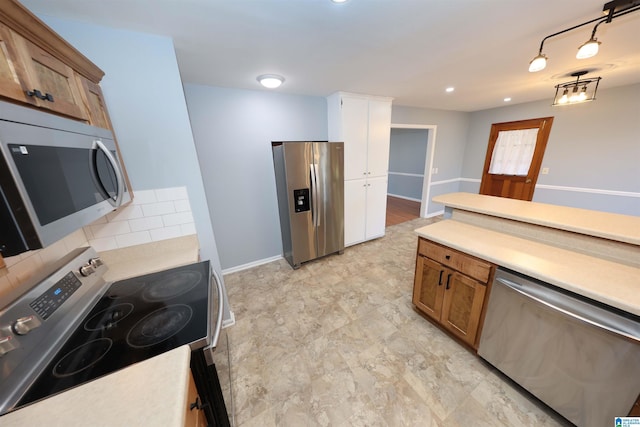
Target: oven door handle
{"points": [[218, 326]]}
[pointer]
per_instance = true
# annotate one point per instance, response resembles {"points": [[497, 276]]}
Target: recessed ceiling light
{"points": [[339, 1], [270, 81], [450, 89], [507, 99]]}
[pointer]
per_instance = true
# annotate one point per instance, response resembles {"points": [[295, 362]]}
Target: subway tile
{"points": [[182, 205], [110, 229], [146, 223], [159, 208], [165, 233], [144, 196], [177, 218], [128, 212], [187, 229]]}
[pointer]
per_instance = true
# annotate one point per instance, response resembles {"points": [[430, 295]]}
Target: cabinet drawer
{"points": [[459, 261]]}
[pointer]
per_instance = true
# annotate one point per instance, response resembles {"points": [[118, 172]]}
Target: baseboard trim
{"points": [[250, 265], [404, 197], [437, 213]]}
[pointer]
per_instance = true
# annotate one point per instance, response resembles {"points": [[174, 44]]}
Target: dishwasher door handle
{"points": [[588, 318]]}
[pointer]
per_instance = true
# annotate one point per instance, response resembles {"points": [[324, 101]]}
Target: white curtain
{"points": [[513, 152]]}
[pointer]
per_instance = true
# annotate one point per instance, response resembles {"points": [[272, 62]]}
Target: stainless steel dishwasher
{"points": [[580, 357]]}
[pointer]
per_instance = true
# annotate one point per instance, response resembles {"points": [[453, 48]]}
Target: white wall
{"points": [[233, 132], [450, 143]]}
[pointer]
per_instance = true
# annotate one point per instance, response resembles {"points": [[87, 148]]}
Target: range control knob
{"points": [[95, 262], [24, 325], [87, 270], [7, 344]]}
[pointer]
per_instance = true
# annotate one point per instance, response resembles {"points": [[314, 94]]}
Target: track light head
{"points": [[538, 63]]}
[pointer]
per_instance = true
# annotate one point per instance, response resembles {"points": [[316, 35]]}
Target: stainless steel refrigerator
{"points": [[310, 186]]}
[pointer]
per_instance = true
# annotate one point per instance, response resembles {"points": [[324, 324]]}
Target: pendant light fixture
{"points": [[576, 91], [613, 9]]}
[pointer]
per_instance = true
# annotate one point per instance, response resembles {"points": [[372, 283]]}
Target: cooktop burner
{"points": [[136, 319], [170, 286], [82, 357], [160, 325]]}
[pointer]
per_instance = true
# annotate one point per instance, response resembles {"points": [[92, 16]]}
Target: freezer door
{"points": [[298, 166], [328, 195]]}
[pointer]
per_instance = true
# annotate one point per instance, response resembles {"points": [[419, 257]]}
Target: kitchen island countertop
{"points": [[609, 282]]}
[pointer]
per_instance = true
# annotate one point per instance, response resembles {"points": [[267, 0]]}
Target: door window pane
{"points": [[513, 152]]}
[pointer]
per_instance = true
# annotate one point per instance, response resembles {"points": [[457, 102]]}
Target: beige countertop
{"points": [[150, 257], [623, 228], [615, 284], [150, 393]]}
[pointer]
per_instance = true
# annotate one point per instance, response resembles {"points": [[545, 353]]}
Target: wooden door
{"points": [[515, 186], [376, 210], [462, 305], [428, 288], [355, 119], [10, 69], [50, 76]]}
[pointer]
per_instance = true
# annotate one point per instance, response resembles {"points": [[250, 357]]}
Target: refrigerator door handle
{"points": [[316, 208], [314, 201]]}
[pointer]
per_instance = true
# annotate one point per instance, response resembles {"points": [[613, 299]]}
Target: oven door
{"points": [[211, 366]]}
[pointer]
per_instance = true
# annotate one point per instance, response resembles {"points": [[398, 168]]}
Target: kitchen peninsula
{"points": [[594, 254], [547, 294]]}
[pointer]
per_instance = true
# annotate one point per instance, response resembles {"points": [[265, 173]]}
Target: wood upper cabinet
{"points": [[49, 81], [10, 69], [450, 287], [93, 101], [38, 68]]}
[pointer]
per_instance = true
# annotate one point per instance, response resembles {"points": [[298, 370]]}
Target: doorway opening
{"points": [[410, 164]]}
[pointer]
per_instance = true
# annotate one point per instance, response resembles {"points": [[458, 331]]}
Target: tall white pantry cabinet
{"points": [[363, 123]]}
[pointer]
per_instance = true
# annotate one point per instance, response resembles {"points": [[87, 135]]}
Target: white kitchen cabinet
{"points": [[365, 202], [363, 123]]}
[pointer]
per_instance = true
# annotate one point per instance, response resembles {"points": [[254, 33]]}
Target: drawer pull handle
{"points": [[197, 405], [448, 279], [440, 278]]}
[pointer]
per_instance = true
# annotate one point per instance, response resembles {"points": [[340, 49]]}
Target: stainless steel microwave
{"points": [[56, 176]]}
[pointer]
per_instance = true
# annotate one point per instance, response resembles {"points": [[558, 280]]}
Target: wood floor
{"points": [[401, 210]]}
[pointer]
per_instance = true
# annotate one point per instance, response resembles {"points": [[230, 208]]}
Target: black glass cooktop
{"points": [[136, 319]]}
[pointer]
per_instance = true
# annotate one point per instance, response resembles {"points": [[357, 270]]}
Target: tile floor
{"points": [[337, 343]]}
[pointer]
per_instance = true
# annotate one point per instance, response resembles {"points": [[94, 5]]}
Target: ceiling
{"points": [[410, 50]]}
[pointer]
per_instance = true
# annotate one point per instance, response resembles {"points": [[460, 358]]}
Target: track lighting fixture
{"points": [[613, 9], [576, 91]]}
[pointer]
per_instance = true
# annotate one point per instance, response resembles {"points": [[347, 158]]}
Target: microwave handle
{"points": [[97, 144]]}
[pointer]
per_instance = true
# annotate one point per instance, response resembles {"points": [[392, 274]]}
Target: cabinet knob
{"points": [[447, 256]]}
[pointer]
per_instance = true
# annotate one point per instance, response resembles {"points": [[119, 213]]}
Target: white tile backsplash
{"points": [[158, 208], [153, 215]]}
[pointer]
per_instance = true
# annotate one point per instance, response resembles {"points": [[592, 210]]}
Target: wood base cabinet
{"points": [[451, 288], [194, 416]]}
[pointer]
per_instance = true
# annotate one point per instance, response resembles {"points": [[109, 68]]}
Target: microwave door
{"points": [[106, 173]]}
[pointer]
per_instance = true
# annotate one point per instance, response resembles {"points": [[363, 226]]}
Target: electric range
{"points": [[72, 327]]}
